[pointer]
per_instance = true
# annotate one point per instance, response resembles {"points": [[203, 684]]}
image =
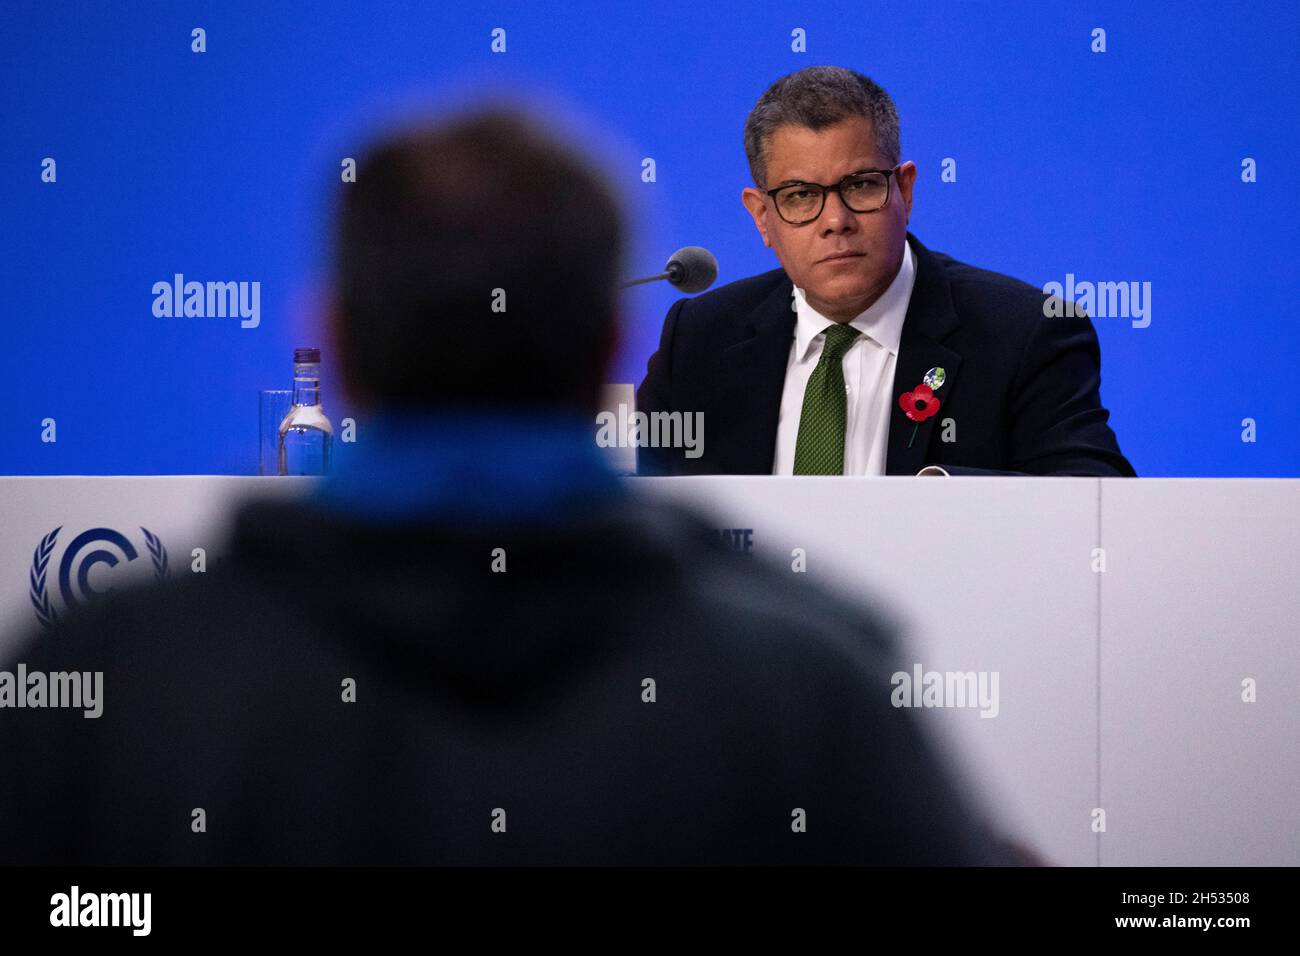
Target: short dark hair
{"points": [[818, 97], [440, 217]]}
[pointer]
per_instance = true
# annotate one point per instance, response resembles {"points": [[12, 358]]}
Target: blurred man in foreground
{"points": [[477, 646]]}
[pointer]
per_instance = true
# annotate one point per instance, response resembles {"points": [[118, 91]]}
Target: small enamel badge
{"points": [[935, 378]]}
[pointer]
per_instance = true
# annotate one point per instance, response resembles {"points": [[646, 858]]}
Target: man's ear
{"points": [[337, 340], [906, 180], [753, 200]]}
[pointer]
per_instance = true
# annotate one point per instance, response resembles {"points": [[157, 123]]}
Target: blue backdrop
{"points": [[1117, 166]]}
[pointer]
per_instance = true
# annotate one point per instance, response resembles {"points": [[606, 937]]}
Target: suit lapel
{"points": [[930, 318], [751, 377]]}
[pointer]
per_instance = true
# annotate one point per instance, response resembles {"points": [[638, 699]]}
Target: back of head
{"points": [[476, 263]]}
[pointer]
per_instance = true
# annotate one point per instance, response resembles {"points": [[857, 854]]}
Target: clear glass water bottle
{"points": [[306, 434]]}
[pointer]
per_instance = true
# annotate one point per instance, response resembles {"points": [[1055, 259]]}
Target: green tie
{"points": [[819, 449]]}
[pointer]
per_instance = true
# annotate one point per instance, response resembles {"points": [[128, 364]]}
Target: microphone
{"points": [[691, 269]]}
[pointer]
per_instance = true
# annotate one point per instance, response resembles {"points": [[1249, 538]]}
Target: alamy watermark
{"points": [[208, 300], [1100, 300], [922, 688], [75, 908], [76, 690], [651, 430]]}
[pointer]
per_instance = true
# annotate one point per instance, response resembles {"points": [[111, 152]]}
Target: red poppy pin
{"points": [[920, 403]]}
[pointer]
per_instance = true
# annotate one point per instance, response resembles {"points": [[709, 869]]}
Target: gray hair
{"points": [[818, 97]]}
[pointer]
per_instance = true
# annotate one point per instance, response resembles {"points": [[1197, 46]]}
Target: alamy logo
{"points": [[652, 430], [82, 554], [211, 300], [922, 688], [1101, 300], [75, 908], [76, 690]]}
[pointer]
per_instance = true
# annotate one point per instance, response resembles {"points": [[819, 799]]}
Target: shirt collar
{"points": [[882, 321], [471, 465]]}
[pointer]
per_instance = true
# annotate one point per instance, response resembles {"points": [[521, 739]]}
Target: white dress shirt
{"points": [[868, 375]]}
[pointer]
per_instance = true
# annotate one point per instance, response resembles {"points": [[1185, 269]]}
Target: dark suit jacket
{"points": [[474, 690], [1022, 389]]}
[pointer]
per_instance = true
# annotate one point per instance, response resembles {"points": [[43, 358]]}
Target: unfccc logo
{"points": [[82, 553]]}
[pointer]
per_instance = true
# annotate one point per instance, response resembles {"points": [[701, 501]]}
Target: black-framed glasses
{"points": [[867, 190]]}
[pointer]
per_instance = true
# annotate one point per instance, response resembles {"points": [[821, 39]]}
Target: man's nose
{"points": [[837, 216]]}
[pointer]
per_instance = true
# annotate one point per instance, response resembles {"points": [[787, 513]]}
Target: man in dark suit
{"points": [[867, 353], [475, 645]]}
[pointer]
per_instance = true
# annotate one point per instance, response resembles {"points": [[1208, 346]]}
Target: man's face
{"points": [[842, 288]]}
